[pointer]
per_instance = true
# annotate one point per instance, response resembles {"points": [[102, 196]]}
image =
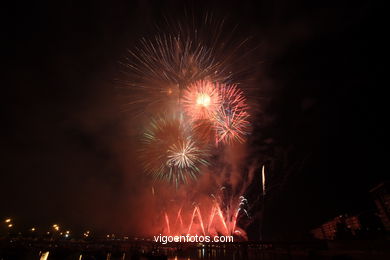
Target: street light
{"points": [[56, 227], [86, 233]]}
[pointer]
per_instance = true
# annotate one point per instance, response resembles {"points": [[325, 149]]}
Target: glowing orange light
{"points": [[56, 227], [203, 100]]}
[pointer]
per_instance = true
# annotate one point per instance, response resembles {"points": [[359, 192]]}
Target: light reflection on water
{"points": [[184, 254], [107, 256], [231, 254], [44, 255], [199, 254]]}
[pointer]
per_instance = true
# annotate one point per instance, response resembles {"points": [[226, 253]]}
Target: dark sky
{"points": [[66, 153]]}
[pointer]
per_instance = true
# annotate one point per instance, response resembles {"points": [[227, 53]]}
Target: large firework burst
{"points": [[161, 68], [158, 69], [170, 153]]}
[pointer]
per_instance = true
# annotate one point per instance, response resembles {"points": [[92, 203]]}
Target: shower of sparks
{"points": [[231, 121], [169, 152], [218, 219], [184, 154], [231, 126]]}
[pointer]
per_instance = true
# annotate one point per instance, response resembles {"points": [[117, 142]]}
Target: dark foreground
{"points": [[125, 250]]}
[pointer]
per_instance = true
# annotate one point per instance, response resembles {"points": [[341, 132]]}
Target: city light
{"points": [[56, 227]]}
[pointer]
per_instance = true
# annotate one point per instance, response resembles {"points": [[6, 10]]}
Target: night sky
{"points": [[68, 154]]}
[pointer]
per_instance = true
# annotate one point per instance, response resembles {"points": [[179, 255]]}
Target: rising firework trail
{"points": [[263, 201], [179, 219], [263, 179], [167, 222]]}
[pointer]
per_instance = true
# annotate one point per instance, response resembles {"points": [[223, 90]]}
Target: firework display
{"points": [[185, 86], [174, 146]]}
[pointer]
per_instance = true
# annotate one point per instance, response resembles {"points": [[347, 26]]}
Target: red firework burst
{"points": [[231, 126], [201, 100], [231, 122]]}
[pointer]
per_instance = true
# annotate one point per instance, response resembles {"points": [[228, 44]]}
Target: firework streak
{"points": [[213, 219]]}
